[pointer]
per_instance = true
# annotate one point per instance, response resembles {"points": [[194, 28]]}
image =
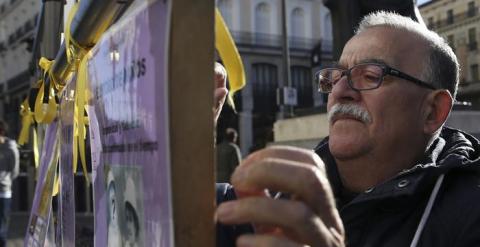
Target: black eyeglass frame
{"points": [[386, 70]]}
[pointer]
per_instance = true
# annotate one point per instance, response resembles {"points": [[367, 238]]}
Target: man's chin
{"points": [[347, 147]]}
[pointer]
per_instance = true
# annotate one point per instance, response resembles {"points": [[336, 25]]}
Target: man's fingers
{"points": [[220, 93], [265, 241], [295, 218], [219, 98], [288, 153], [303, 181], [220, 76]]}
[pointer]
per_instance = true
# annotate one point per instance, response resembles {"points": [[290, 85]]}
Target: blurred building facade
{"points": [[256, 26], [458, 21], [18, 21]]}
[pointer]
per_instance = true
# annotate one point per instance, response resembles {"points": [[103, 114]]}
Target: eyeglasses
{"points": [[364, 76]]}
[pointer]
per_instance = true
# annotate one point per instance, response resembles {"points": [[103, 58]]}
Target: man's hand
{"points": [[309, 217], [220, 94]]}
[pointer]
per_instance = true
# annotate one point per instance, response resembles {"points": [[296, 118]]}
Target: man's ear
{"points": [[438, 105]]}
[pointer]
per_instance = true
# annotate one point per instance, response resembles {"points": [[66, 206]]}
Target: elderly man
{"points": [[392, 174]]}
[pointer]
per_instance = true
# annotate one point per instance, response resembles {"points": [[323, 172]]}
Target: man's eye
{"points": [[371, 77]]}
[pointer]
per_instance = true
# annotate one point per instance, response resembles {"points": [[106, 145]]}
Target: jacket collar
{"points": [[453, 149]]}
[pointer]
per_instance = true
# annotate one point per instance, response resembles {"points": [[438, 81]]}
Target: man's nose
{"points": [[342, 92]]}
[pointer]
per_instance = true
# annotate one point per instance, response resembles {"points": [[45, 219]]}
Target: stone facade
{"points": [[458, 21], [256, 26]]}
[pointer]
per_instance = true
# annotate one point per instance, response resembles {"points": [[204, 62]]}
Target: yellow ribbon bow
{"points": [[229, 54], [27, 120], [80, 120], [45, 112], [77, 57]]}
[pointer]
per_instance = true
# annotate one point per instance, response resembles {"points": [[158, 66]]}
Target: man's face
{"points": [[112, 204], [130, 226], [394, 108]]}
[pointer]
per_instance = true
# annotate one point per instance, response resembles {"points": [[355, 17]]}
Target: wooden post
{"points": [[191, 121]]}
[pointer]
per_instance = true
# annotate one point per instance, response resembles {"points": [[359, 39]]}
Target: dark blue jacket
{"points": [[391, 213], [226, 235]]}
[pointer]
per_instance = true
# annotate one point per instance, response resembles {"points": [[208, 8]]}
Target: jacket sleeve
{"points": [[236, 158], [227, 234], [16, 157]]}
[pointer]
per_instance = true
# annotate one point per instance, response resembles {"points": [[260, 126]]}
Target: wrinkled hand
{"points": [[309, 217], [220, 94]]}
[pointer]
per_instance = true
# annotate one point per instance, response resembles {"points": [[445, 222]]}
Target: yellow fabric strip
{"points": [[79, 119], [77, 56], [70, 49], [27, 120], [36, 155], [56, 157], [229, 54], [45, 113]]}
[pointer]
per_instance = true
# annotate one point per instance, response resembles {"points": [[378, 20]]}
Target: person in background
{"points": [[9, 169], [228, 156]]}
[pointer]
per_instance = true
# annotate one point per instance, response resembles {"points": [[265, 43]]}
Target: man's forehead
{"points": [[384, 44]]}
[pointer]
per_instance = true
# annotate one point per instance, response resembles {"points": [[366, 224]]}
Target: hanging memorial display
{"points": [[128, 114]]}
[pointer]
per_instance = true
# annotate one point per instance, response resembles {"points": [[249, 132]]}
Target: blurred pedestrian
{"points": [[228, 156], [9, 168]]}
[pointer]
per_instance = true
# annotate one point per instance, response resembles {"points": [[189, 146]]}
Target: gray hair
{"points": [[441, 65]]}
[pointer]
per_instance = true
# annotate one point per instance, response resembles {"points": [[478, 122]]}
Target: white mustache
{"points": [[351, 110]]}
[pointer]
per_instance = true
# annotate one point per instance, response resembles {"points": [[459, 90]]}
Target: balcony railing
{"points": [[456, 18], [276, 41]]}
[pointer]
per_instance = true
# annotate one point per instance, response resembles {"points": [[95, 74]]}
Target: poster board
{"points": [[66, 221], [151, 126], [39, 226]]}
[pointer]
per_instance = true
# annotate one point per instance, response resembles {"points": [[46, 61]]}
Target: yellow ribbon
{"points": [[53, 167], [70, 44], [56, 184], [229, 54], [45, 112], [80, 120], [27, 120], [76, 55], [36, 155]]}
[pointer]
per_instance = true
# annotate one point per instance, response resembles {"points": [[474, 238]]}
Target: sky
{"points": [[422, 1]]}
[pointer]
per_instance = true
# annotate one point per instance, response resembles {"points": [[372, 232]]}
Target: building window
{"points": [[471, 9], [263, 18], [297, 23], [449, 16], [431, 23], [302, 81], [472, 39], [225, 7], [474, 72], [265, 83], [451, 41]]}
